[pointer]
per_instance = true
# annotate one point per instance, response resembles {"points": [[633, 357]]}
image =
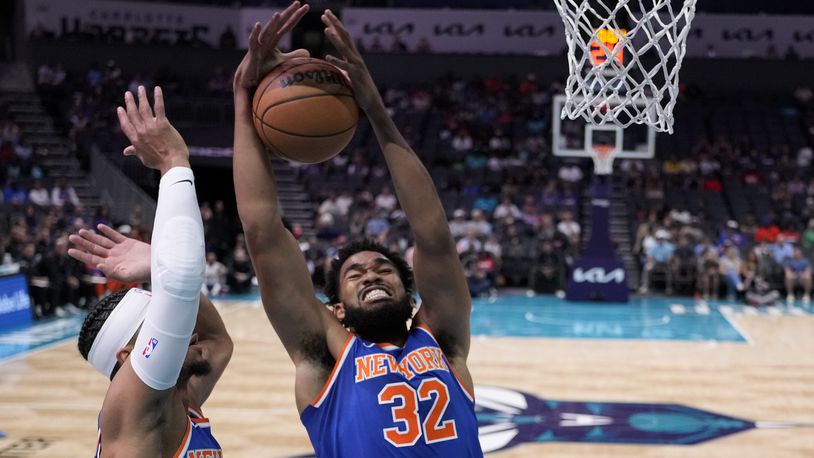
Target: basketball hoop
{"points": [[622, 53], [603, 156]]}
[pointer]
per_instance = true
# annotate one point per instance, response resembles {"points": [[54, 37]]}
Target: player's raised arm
{"points": [[300, 320], [439, 274], [127, 260], [139, 407]]}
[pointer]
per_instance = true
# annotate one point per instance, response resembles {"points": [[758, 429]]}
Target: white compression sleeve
{"points": [[176, 272]]}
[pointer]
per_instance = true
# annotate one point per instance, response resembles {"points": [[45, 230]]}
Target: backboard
{"points": [[577, 138]]}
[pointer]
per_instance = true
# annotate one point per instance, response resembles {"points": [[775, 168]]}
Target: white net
{"points": [[603, 157], [624, 57]]}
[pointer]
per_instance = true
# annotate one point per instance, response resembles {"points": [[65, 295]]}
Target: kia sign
{"points": [[459, 31], [727, 35], [15, 303], [541, 32], [599, 274]]}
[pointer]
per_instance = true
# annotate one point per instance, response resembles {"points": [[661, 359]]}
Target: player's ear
{"points": [[121, 355], [339, 311]]}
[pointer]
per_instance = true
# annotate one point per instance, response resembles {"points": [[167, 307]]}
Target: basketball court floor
{"points": [[653, 378]]}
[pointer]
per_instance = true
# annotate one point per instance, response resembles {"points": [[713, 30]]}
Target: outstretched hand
{"points": [[153, 139], [263, 54], [118, 257], [364, 89]]}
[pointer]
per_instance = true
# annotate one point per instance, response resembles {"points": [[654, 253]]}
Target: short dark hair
{"points": [[94, 321], [332, 275]]}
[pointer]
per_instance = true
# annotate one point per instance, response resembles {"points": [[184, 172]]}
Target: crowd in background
{"points": [[515, 210], [37, 215]]}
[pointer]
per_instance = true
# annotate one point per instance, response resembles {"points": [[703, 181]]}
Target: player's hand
{"points": [[153, 139], [263, 54], [364, 89], [118, 257]]}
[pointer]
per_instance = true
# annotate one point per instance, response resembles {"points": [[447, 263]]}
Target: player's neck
{"points": [[396, 337]]}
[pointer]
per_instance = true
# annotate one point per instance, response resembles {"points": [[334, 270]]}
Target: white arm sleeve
{"points": [[176, 273]]}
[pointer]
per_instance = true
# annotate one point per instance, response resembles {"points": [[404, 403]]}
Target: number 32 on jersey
{"points": [[405, 413]]}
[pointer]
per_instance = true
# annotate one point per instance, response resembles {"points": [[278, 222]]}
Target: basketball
{"points": [[304, 110]]}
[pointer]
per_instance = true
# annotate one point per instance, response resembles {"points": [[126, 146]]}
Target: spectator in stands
{"points": [[485, 202], [804, 157], [658, 257], [782, 250], [64, 279], [378, 225], [548, 231], [479, 283], [506, 209], [62, 194], [462, 141], [329, 206], [386, 200], [750, 270], [530, 214], [516, 253], [344, 202], [222, 230], [240, 271], [569, 227], [550, 197], [493, 247], [731, 265], [15, 195], [569, 197], [30, 263], [731, 236], [214, 275], [709, 272], [479, 225], [38, 195], [807, 239], [458, 224], [469, 245], [548, 274], [761, 293], [684, 262], [798, 272]]}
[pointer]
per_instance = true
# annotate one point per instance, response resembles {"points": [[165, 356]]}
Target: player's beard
{"points": [[380, 323]]}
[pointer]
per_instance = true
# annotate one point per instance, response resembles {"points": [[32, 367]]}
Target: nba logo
{"points": [[148, 349]]}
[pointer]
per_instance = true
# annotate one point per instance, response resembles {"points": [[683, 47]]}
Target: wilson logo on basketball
{"points": [[317, 76], [148, 349]]}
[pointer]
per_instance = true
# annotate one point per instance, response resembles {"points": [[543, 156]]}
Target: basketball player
{"points": [[160, 370], [366, 384]]}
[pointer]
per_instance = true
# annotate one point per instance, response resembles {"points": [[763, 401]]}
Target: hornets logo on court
{"points": [[507, 418]]}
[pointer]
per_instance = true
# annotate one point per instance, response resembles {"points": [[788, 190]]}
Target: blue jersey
{"points": [[382, 400], [198, 441]]}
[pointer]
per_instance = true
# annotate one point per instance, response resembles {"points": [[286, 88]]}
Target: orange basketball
{"points": [[304, 110]]}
